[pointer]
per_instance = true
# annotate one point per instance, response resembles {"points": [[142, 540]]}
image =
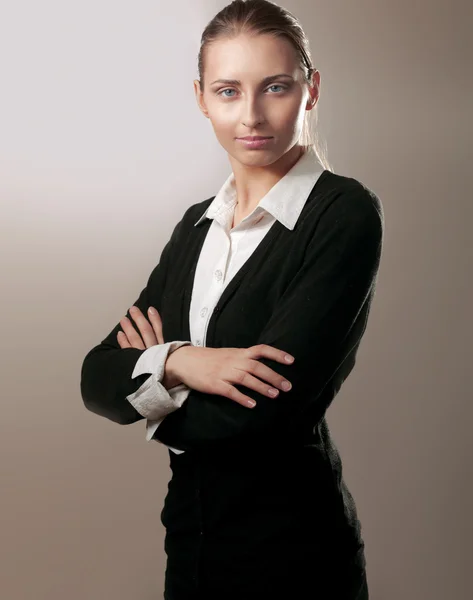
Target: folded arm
{"points": [[107, 369], [320, 320]]}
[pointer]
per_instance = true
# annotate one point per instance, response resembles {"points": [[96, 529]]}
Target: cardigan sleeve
{"points": [[320, 320], [107, 369]]}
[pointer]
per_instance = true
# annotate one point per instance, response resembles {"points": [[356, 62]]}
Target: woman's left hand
{"points": [[151, 331]]}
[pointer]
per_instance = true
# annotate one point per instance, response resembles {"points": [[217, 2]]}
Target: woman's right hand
{"points": [[214, 370]]}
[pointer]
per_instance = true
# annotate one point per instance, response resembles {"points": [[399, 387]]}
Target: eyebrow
{"points": [[265, 80]]}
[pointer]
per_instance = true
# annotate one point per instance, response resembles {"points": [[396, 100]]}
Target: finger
{"points": [[133, 336], [253, 383], [264, 350], [267, 374], [229, 391], [146, 330], [123, 340], [156, 323]]}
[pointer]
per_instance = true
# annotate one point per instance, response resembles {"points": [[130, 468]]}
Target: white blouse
{"points": [[223, 253]]}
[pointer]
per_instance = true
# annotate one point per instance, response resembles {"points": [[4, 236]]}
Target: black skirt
{"points": [[262, 523], [303, 581]]}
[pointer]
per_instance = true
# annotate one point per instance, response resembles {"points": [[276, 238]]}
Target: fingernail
{"points": [[288, 358], [152, 310]]}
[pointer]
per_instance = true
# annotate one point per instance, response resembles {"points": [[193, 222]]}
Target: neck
{"points": [[253, 183]]}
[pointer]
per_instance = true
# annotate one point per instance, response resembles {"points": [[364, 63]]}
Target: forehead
{"points": [[250, 56]]}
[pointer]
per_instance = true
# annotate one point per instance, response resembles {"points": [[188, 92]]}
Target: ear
{"points": [[199, 96], [314, 90]]}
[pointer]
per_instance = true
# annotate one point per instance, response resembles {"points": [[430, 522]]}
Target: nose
{"points": [[251, 113]]}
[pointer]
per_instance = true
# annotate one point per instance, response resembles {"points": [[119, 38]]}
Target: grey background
{"points": [[97, 122]]}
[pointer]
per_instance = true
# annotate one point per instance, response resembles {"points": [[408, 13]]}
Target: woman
{"points": [[282, 261]]}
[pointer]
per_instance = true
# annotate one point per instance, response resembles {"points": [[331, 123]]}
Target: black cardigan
{"points": [[258, 498]]}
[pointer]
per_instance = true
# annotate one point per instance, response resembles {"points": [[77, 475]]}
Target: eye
{"points": [[225, 90], [221, 92], [279, 86]]}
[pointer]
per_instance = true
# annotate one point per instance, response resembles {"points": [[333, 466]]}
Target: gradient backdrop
{"points": [[98, 120]]}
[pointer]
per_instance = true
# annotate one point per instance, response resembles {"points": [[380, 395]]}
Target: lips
{"points": [[254, 138]]}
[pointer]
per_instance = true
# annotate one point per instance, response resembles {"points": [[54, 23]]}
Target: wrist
{"points": [[171, 376]]}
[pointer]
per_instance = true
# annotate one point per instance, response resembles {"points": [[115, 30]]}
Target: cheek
{"points": [[292, 120], [224, 121], [286, 113]]}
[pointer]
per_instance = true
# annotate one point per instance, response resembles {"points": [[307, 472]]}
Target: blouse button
{"points": [[203, 312], [218, 275]]}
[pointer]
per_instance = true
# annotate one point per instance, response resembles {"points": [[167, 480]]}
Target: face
{"points": [[253, 106]]}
